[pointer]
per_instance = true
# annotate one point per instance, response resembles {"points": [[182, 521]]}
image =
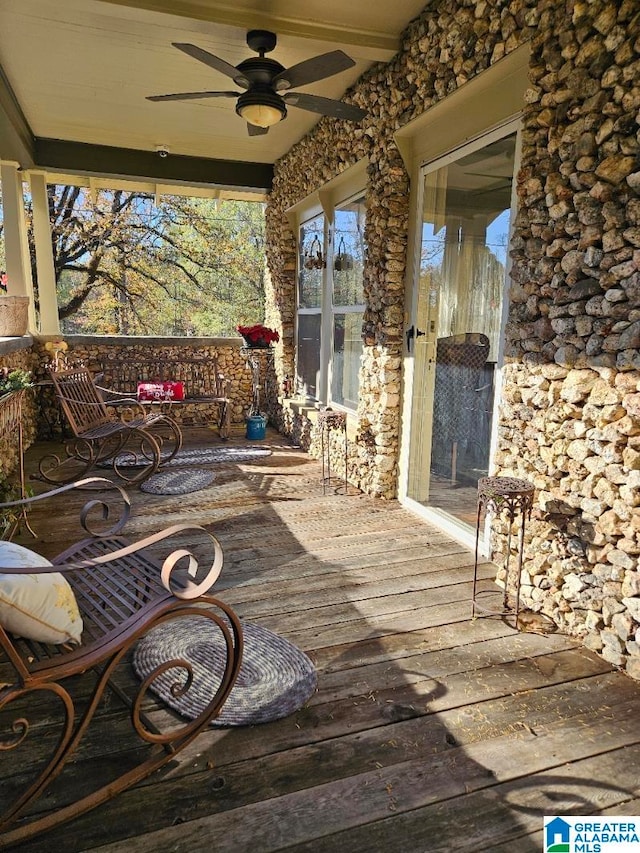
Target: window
{"points": [[331, 305], [311, 268], [347, 302]]}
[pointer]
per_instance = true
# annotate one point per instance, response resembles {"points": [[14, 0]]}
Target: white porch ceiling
{"points": [[80, 69]]}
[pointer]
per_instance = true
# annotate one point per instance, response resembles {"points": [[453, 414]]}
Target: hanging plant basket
{"points": [[343, 260], [313, 257], [14, 316]]}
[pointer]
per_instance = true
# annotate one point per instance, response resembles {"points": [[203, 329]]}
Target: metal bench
{"points": [[122, 590], [204, 383], [134, 447]]}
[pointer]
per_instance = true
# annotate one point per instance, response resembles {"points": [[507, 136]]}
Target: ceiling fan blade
{"points": [[317, 68], [324, 106], [254, 130], [192, 96], [213, 62]]}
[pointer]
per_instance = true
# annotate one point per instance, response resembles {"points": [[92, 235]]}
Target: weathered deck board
{"points": [[421, 785], [378, 694], [290, 770], [429, 731], [304, 569]]}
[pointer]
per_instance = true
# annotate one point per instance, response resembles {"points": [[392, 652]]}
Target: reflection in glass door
{"points": [[456, 326]]}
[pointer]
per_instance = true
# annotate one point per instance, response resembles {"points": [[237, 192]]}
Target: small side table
{"points": [[330, 421], [514, 497]]}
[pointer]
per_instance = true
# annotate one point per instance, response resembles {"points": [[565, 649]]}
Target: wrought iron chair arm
{"points": [[87, 484], [179, 561], [117, 396], [121, 396], [87, 403], [181, 573], [124, 401]]}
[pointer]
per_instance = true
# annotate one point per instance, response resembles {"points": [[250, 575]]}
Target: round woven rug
{"points": [[211, 455], [177, 482], [276, 678], [198, 456]]}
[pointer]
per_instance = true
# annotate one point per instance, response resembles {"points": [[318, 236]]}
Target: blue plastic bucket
{"points": [[256, 427]]}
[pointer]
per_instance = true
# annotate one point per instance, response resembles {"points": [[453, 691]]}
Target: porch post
{"points": [[47, 296], [16, 246]]}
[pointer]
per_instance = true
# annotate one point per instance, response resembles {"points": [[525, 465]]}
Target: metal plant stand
{"points": [[330, 421], [513, 497], [254, 357]]}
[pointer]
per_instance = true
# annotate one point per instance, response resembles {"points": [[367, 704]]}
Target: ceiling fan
{"points": [[263, 79]]}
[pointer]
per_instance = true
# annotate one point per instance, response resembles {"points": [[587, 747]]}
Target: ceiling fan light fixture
{"points": [[260, 115], [262, 109]]}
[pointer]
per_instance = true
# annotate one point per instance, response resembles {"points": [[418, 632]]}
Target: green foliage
{"points": [[14, 380], [10, 517], [184, 266]]}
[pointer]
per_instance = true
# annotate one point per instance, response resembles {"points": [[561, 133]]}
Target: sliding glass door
{"points": [[456, 324]]}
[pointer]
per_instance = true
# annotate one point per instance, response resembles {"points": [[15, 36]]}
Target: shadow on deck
{"points": [[428, 731]]}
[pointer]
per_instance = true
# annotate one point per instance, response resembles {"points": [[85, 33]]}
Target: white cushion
{"points": [[38, 606]]}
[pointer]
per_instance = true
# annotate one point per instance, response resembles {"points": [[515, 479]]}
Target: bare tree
{"points": [[125, 264]]}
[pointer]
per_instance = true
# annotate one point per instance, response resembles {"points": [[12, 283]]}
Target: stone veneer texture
{"points": [[231, 362], [569, 418]]}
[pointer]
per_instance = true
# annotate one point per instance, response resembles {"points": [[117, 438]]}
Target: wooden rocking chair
{"points": [[133, 448], [122, 590]]}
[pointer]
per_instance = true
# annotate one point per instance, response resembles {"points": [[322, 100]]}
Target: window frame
{"points": [[349, 185], [340, 310], [319, 310], [327, 309]]}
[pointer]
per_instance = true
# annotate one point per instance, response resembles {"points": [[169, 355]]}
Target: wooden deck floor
{"points": [[428, 732]]}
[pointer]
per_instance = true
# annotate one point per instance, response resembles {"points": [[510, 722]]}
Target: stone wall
{"points": [[92, 352], [570, 409], [440, 52], [570, 418]]}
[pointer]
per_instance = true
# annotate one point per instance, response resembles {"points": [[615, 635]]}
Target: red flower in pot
{"points": [[258, 335]]}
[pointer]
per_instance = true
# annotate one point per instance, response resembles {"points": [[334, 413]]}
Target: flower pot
{"points": [[14, 316], [258, 336], [261, 343], [256, 427]]}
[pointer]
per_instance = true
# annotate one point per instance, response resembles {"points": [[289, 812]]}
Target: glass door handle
{"points": [[412, 333]]}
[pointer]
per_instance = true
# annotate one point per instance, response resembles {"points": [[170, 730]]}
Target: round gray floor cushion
{"points": [[276, 678], [177, 482]]}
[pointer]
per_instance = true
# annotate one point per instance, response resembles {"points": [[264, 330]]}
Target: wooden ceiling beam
{"points": [[103, 160], [360, 43]]}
